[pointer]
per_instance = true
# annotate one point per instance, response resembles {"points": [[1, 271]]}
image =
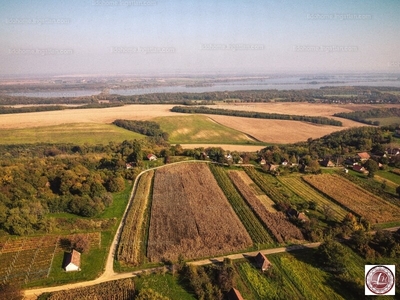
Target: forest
{"points": [[343, 95], [257, 115], [363, 115], [148, 128]]}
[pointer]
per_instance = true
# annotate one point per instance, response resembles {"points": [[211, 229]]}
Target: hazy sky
{"points": [[173, 36]]}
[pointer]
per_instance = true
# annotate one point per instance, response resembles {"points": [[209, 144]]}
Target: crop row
{"points": [[292, 270], [265, 185], [276, 223], [253, 226], [363, 203], [306, 192], [116, 290], [190, 215], [130, 244]]}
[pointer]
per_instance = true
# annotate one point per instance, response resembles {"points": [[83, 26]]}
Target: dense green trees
{"points": [[363, 115], [39, 179], [148, 128]]}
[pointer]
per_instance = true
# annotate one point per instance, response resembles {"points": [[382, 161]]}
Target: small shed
{"points": [[72, 261], [262, 262], [234, 294], [151, 157]]}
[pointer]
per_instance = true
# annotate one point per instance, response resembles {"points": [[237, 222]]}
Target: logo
{"points": [[379, 280]]}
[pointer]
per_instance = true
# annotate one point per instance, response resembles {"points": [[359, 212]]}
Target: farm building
{"points": [[363, 156], [359, 169], [234, 294], [262, 262], [72, 261], [327, 163], [151, 157]]}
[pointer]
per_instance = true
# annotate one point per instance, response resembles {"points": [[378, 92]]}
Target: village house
{"points": [[262, 262], [72, 261], [234, 294], [292, 213], [271, 167], [327, 163], [363, 156], [263, 161], [151, 157], [359, 169]]}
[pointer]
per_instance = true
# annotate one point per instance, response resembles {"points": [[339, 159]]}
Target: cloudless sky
{"points": [[186, 36]]}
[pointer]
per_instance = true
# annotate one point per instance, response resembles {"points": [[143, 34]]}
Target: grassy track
{"points": [[77, 133], [130, 245], [200, 129]]}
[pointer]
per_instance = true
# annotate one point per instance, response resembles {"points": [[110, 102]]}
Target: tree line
{"points": [[257, 115], [372, 95], [148, 128], [364, 115]]}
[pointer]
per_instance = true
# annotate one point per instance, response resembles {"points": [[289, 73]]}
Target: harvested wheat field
{"points": [[95, 115], [191, 216]]}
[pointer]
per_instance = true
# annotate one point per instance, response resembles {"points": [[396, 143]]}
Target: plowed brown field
{"points": [[191, 216]]}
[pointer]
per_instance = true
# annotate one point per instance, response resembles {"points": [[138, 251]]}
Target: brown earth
{"points": [[191, 216]]}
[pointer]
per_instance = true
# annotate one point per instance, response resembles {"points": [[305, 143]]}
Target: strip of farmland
{"points": [[191, 216], [265, 185], [298, 186], [363, 203], [276, 223], [130, 247], [253, 226], [264, 199]]}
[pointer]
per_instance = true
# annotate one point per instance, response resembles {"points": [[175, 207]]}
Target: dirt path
{"points": [[109, 276]]}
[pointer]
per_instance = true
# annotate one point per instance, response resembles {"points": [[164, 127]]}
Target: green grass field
{"points": [[79, 133], [165, 284], [199, 129]]}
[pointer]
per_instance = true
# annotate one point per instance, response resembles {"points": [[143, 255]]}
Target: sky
{"points": [[116, 37]]}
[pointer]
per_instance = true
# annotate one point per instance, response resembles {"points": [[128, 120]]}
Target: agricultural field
{"points": [[191, 216], [302, 189], [359, 201], [77, 133], [131, 247], [297, 276], [200, 129], [264, 199], [271, 186], [117, 290], [224, 128], [28, 259], [277, 224], [254, 227]]}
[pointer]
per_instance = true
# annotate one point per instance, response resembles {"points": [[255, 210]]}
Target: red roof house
{"points": [[262, 262], [72, 261]]}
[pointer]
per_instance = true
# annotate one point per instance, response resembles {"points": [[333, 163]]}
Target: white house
{"points": [[72, 261]]}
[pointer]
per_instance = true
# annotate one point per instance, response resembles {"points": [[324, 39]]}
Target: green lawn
{"points": [[79, 133], [198, 129]]}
